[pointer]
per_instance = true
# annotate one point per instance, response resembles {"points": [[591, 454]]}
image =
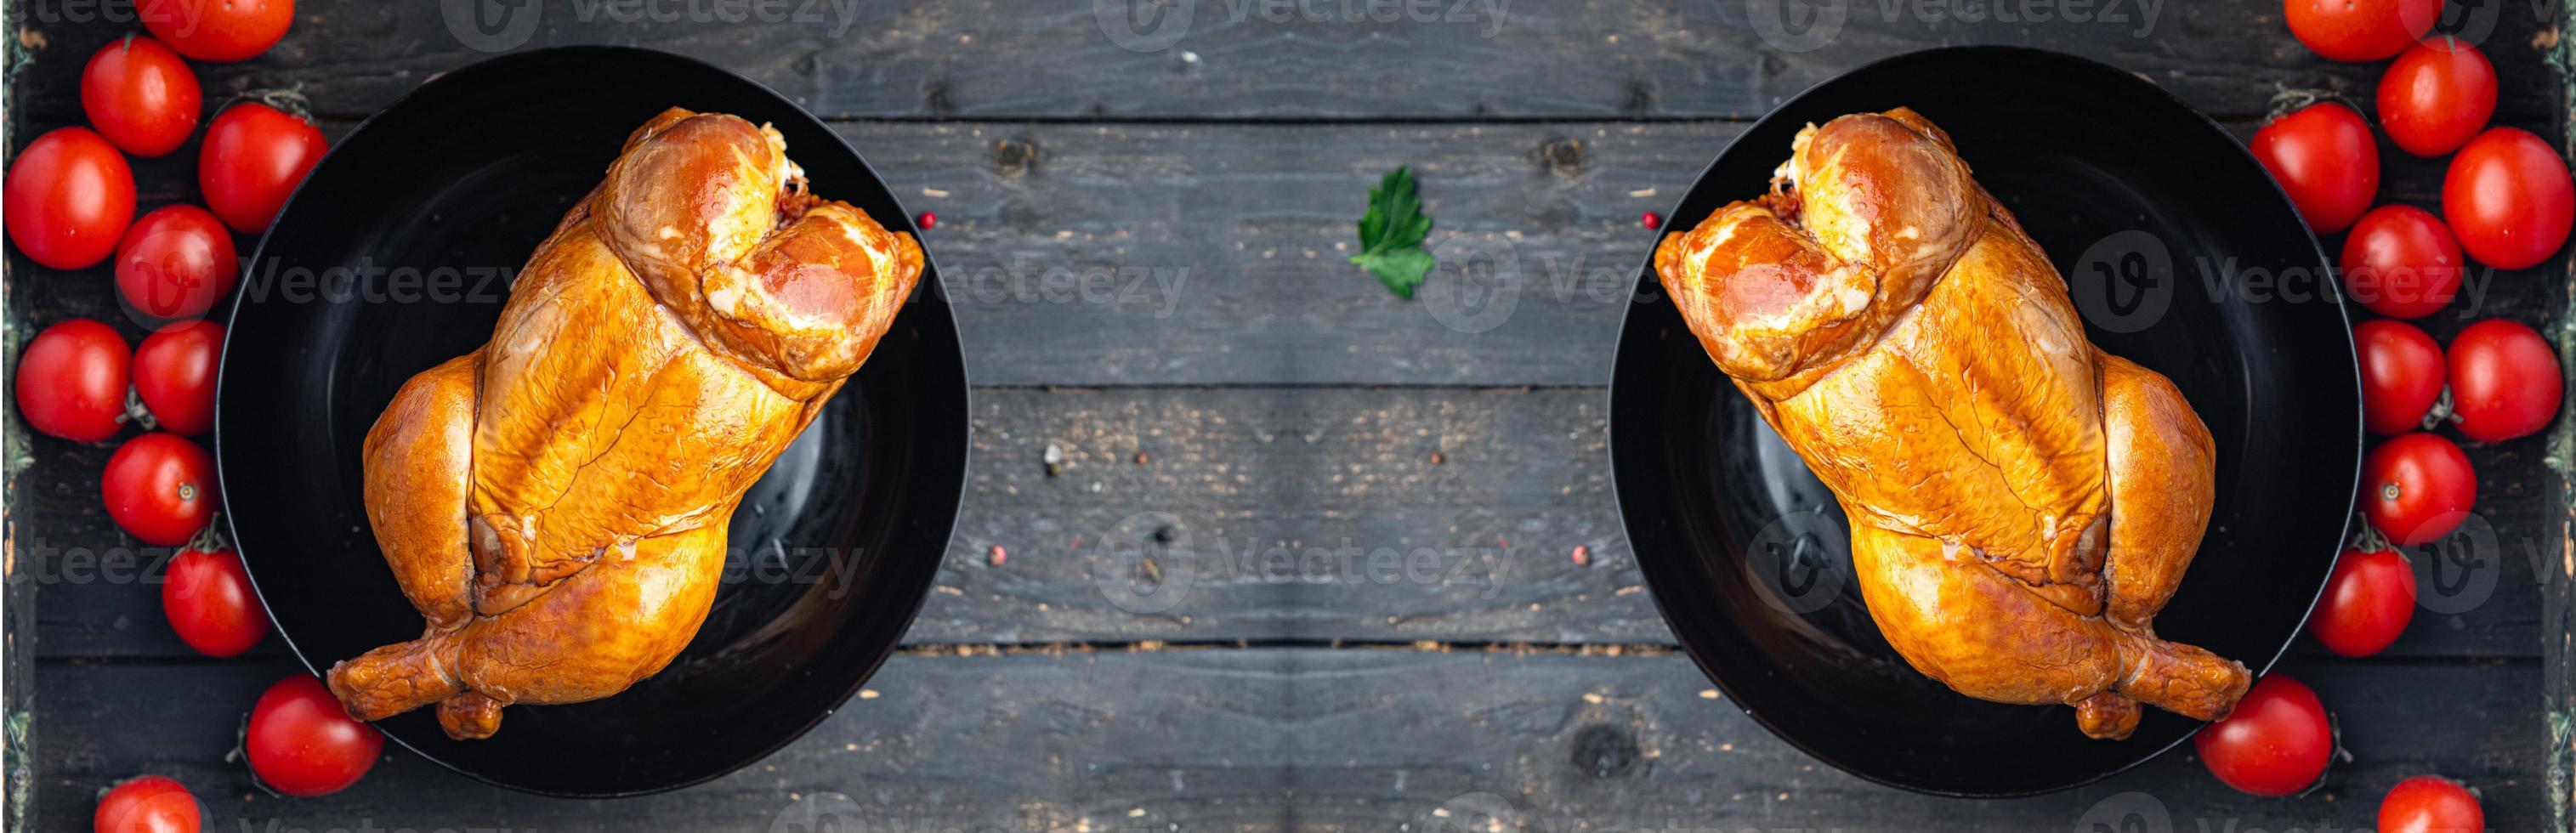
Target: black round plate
{"points": [[396, 254], [2142, 203]]}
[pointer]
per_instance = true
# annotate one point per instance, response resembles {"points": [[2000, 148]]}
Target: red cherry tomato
{"points": [[147, 804], [160, 487], [2509, 198], [2504, 381], [71, 381], [2276, 742], [174, 375], [141, 96], [2360, 30], [2401, 262], [176, 262], [2401, 375], [2416, 488], [2436, 96], [253, 158], [2324, 156], [70, 195], [2369, 598], [209, 600], [303, 743], [2431, 804], [231, 30]]}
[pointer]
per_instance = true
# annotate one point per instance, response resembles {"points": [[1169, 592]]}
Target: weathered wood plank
{"points": [[1247, 480], [1267, 59], [1394, 735], [2557, 566], [1185, 736], [1167, 254], [1310, 514], [2557, 576], [1159, 254], [1255, 202], [1295, 514], [1258, 220], [18, 629], [1251, 226], [1025, 742], [1274, 739]]}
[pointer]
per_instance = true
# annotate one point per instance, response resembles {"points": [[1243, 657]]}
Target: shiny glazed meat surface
{"points": [[2022, 503], [555, 502]]}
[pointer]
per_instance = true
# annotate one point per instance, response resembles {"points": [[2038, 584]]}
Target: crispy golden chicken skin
{"points": [[555, 502], [2021, 502]]}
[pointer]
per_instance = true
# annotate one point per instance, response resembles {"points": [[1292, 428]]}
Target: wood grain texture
{"points": [[1283, 398], [1536, 226], [1266, 59], [1084, 255], [1286, 739], [1092, 255], [1247, 480], [1284, 514], [2556, 571], [1258, 220], [1626, 743], [19, 631]]}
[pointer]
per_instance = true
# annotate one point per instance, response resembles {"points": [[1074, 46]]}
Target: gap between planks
{"points": [[346, 120], [1429, 646], [1461, 387]]}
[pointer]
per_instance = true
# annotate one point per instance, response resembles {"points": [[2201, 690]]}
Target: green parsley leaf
{"points": [[1400, 269], [1391, 235]]}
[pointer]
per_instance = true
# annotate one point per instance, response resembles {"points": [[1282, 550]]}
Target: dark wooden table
{"points": [[1269, 397]]}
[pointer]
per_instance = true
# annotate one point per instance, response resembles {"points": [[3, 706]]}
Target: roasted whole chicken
{"points": [[555, 502], [2021, 502]]}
